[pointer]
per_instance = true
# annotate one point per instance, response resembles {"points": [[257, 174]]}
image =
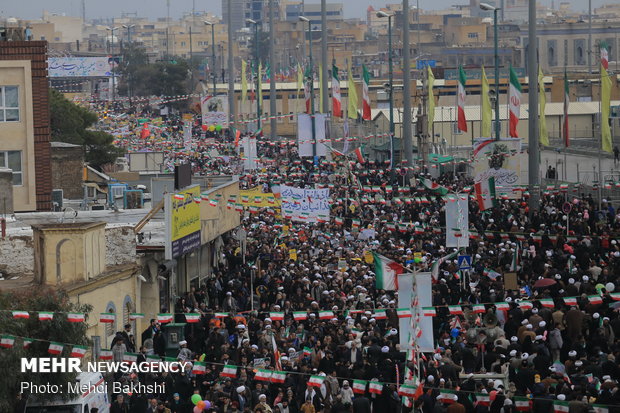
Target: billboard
{"points": [[182, 221], [500, 159], [79, 66], [214, 110], [407, 294], [457, 217], [305, 204]]}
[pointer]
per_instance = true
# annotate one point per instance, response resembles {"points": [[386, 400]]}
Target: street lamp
{"points": [[111, 30], [258, 113], [212, 52], [128, 27], [488, 7], [382, 14], [310, 81]]}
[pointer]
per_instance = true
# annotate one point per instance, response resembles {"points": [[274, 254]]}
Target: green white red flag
{"points": [[336, 96], [514, 103], [460, 101], [365, 86], [386, 272]]}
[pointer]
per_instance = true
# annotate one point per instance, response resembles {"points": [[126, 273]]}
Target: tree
{"points": [[263, 46], [58, 329], [70, 124]]}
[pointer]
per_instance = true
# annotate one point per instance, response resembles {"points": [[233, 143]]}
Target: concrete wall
{"points": [[21, 252], [67, 166], [120, 246], [6, 191]]}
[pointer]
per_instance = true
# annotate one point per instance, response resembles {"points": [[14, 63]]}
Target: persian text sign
{"points": [[305, 204], [79, 67]]}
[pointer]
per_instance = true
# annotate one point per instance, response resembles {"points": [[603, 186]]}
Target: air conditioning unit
{"points": [[97, 207]]}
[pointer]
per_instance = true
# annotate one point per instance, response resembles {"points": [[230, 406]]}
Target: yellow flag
{"points": [[606, 144], [486, 113], [300, 84], [431, 99], [542, 118], [260, 82], [320, 88], [244, 82], [352, 100]]}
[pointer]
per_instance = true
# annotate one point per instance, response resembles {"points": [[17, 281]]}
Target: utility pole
{"points": [[325, 108], [533, 147], [231, 70], [167, 28], [589, 36], [407, 138], [272, 75], [83, 11]]}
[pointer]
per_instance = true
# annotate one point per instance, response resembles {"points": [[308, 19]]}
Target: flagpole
{"points": [[600, 110]]}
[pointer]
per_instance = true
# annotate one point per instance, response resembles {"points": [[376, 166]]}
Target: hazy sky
{"points": [[32, 9]]}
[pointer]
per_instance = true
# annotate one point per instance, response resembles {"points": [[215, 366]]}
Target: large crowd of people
{"points": [[547, 339]]}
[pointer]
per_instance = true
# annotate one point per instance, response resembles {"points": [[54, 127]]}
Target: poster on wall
{"points": [[182, 222], [499, 159], [304, 134], [214, 110], [305, 204]]}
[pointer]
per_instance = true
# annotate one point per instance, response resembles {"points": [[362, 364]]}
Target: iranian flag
{"points": [[429, 311], [503, 305], [380, 314], [164, 318], [179, 197], [615, 296], [262, 375], [448, 396], [55, 348], [21, 314], [300, 315], [192, 317], [365, 85], [130, 357], [278, 377], [595, 299], [316, 381], [7, 341], [604, 55], [135, 316], [213, 202], [359, 155], [460, 101], [336, 98], [199, 368], [229, 371], [565, 133], [107, 317], [387, 272], [406, 391], [76, 317], [46, 315], [27, 342], [599, 408], [78, 351], [276, 316], [326, 315], [307, 85], [570, 300], [560, 406], [307, 351], [478, 308], [514, 105], [485, 193], [455, 309], [375, 387], [359, 386], [106, 355], [403, 312], [483, 399], [547, 302], [522, 404]]}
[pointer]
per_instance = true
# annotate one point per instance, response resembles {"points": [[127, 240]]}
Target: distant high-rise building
{"points": [[257, 10], [313, 12]]}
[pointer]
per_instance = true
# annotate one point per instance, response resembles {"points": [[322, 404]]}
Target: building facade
{"points": [[25, 123]]}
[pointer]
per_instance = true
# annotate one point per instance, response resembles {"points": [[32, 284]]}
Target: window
{"points": [[182, 44], [472, 35], [551, 54], [13, 160], [9, 104]]}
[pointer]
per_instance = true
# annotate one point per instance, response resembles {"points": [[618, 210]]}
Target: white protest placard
{"points": [[305, 204]]}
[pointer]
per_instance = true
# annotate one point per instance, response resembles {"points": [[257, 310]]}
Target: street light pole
{"points": [[488, 7], [533, 138], [272, 77], [112, 29], [256, 66], [311, 87], [232, 101], [324, 32], [406, 60], [382, 14], [212, 53]]}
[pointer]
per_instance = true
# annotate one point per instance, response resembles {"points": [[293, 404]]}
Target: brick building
{"points": [[25, 123], [68, 169]]}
